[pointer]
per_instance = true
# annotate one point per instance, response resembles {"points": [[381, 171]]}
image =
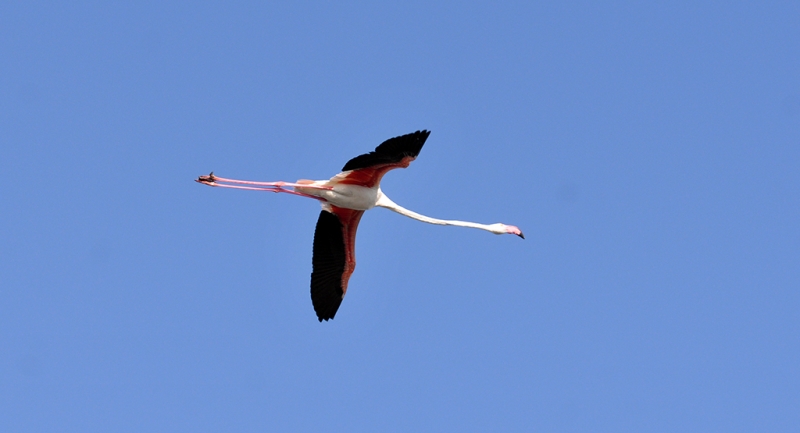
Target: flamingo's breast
{"points": [[351, 196]]}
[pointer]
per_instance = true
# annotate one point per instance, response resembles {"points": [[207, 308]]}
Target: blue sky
{"points": [[649, 152]]}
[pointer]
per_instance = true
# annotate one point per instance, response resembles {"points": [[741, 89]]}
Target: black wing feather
{"points": [[390, 151], [328, 266]]}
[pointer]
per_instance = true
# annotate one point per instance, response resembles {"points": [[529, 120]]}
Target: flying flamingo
{"points": [[344, 199]]}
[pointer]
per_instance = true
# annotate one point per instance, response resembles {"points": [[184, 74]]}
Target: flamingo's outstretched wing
{"points": [[334, 259], [335, 236], [398, 152]]}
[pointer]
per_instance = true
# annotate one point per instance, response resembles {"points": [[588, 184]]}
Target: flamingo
{"points": [[344, 198]]}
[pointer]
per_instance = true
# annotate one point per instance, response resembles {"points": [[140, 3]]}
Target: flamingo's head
{"points": [[501, 229]]}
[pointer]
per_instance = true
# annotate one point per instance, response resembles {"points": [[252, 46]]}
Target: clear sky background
{"points": [[649, 151]]}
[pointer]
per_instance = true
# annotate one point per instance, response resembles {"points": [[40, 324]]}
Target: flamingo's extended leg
{"points": [[212, 178], [275, 187]]}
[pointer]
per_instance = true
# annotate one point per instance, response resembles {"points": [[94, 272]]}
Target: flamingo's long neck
{"points": [[387, 203]]}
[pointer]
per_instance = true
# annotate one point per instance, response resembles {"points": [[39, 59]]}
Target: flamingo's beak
{"points": [[514, 230]]}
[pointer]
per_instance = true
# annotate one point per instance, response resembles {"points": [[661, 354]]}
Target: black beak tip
{"points": [[521, 235]]}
